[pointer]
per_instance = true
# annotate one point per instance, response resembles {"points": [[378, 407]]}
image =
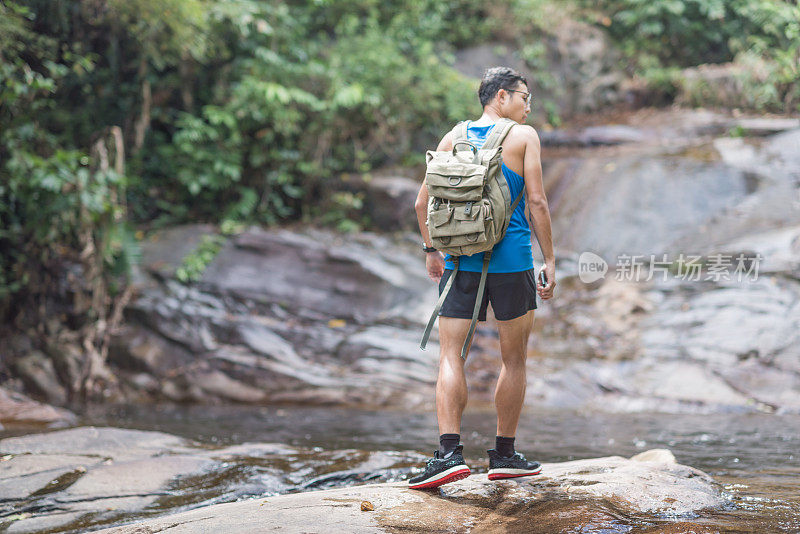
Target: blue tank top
{"points": [[513, 253]]}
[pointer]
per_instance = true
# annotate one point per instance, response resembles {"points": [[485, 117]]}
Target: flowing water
{"points": [[755, 457]]}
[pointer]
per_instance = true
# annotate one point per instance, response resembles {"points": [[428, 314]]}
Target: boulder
{"points": [[39, 375], [163, 252], [389, 202], [609, 492], [17, 409], [584, 74], [285, 316]]}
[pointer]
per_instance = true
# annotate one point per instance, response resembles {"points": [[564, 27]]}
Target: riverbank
{"points": [[91, 476], [251, 453]]}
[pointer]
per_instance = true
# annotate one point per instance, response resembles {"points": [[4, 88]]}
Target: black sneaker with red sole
{"points": [[439, 471], [514, 466]]}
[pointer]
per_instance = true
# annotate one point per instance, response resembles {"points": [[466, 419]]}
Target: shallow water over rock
{"points": [[248, 452]]}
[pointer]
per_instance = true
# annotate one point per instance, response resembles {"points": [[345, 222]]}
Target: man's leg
{"points": [[451, 386], [451, 397], [504, 461], [510, 392]]}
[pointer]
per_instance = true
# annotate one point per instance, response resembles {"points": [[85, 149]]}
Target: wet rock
{"points": [[772, 181], [640, 203], [620, 345], [767, 125], [102, 475], [389, 202], [114, 443], [648, 482], [17, 409], [25, 475], [221, 385], [317, 274], [39, 375], [130, 485], [51, 523], [610, 134], [773, 388], [615, 490], [164, 251], [337, 320]]}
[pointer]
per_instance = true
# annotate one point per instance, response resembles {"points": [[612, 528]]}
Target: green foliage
{"points": [[60, 209], [163, 29], [761, 36], [243, 111], [344, 212], [737, 131], [689, 32], [195, 263], [312, 91]]}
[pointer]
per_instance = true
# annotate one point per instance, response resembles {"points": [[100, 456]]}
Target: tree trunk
{"points": [[142, 124]]}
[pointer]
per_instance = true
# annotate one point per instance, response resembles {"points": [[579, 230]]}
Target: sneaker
{"points": [[511, 466], [440, 471]]}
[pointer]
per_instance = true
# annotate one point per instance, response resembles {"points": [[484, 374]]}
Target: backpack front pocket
{"points": [[457, 182], [438, 224], [468, 219]]}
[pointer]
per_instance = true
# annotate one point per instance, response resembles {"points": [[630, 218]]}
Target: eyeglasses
{"points": [[528, 96]]}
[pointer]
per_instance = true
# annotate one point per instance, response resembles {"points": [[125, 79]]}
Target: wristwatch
{"points": [[427, 249]]}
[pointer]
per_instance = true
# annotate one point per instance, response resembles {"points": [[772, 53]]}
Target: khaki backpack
{"points": [[469, 206]]}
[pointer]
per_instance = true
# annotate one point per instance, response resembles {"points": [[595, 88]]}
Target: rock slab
{"points": [[17, 409], [606, 491]]}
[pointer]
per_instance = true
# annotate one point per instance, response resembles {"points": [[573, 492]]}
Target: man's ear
{"points": [[501, 96]]}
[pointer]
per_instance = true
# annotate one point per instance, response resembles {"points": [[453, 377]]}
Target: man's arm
{"points": [[537, 207], [434, 261]]}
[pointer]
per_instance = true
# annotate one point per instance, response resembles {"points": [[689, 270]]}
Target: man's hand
{"points": [[434, 262], [549, 270]]}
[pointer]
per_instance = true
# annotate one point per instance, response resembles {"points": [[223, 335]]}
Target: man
{"points": [[510, 287]]}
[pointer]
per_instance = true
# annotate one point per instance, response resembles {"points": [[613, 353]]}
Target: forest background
{"points": [[120, 117]]}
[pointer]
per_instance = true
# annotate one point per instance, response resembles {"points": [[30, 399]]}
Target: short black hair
{"points": [[498, 78]]}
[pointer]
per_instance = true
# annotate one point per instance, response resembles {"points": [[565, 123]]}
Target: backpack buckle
{"points": [[468, 208]]}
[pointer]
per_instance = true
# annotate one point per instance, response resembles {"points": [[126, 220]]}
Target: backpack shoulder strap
{"points": [[487, 256], [460, 131], [499, 133], [439, 303]]}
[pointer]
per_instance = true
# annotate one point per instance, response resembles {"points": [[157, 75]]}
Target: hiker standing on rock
{"points": [[482, 183]]}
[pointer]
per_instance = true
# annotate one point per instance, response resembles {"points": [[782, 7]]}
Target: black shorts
{"points": [[512, 294]]}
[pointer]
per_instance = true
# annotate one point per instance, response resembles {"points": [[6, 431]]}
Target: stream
{"points": [[755, 457]]}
